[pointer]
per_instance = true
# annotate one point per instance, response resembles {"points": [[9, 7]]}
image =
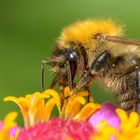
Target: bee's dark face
{"points": [[64, 64], [58, 60]]}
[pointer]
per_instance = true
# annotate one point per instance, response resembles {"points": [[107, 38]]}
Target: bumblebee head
{"points": [[64, 65], [74, 49]]}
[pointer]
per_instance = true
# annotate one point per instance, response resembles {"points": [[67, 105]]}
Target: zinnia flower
{"points": [[77, 119], [58, 129], [35, 109]]}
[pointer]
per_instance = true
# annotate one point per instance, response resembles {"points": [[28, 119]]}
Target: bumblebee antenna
{"points": [[43, 63]]}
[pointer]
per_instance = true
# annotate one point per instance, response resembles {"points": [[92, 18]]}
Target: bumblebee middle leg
{"points": [[88, 75]]}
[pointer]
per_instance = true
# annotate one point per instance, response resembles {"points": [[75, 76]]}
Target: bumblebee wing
{"points": [[122, 46], [116, 39], [122, 40]]}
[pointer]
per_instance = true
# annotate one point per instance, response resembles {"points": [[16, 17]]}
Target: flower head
{"points": [[58, 129], [77, 119], [35, 109]]}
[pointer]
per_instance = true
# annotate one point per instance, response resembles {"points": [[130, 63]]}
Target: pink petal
{"points": [[107, 112], [1, 125], [12, 131]]}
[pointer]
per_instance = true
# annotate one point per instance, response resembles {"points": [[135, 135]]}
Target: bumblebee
{"points": [[93, 50]]}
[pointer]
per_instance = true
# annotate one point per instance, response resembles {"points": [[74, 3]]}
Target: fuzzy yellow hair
{"points": [[83, 31]]}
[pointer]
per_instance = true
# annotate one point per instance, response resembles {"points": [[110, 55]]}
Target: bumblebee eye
{"points": [[71, 55]]}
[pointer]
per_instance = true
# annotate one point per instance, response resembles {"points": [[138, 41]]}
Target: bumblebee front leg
{"points": [[96, 66], [68, 69]]}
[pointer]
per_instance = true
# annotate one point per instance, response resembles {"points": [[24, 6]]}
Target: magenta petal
{"points": [[12, 131], [107, 112], [1, 125]]}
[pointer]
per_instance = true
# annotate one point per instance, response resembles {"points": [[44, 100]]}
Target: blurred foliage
{"points": [[28, 30]]}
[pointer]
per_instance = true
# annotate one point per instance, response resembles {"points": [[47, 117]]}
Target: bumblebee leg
{"points": [[96, 66], [138, 89], [68, 69], [55, 79], [88, 89], [86, 78]]}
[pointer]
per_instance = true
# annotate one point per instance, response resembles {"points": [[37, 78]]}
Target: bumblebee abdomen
{"points": [[121, 78]]}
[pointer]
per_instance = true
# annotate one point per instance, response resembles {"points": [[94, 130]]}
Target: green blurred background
{"points": [[28, 30]]}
